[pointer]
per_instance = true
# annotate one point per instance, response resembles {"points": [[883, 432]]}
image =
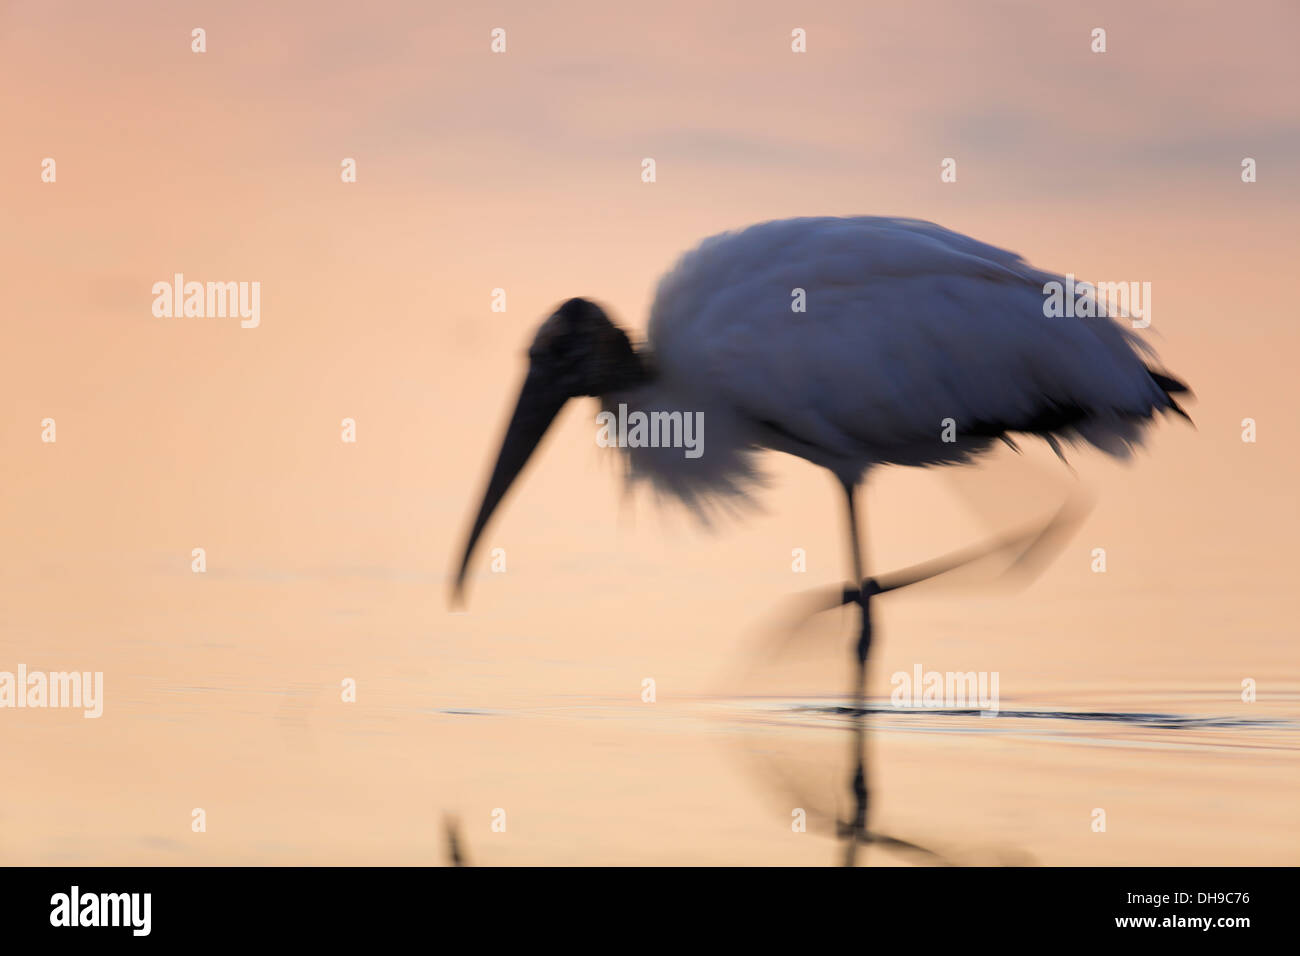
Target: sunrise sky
{"points": [[521, 171]]}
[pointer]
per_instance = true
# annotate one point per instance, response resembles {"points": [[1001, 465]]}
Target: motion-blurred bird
{"points": [[915, 345]]}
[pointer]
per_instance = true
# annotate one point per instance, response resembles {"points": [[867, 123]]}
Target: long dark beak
{"points": [[540, 401]]}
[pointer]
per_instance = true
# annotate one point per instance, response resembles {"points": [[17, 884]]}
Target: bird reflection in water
{"points": [[1030, 549], [926, 348]]}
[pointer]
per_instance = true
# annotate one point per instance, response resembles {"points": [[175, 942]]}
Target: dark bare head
{"points": [[581, 352], [577, 351]]}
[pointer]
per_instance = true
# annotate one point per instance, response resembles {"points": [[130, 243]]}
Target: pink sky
{"points": [[521, 171]]}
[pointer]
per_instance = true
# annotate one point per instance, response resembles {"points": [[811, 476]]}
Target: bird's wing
{"points": [[906, 325]]}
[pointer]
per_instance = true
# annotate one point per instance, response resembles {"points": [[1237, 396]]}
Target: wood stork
{"points": [[917, 346]]}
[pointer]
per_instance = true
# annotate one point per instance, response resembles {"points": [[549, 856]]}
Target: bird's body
{"points": [[905, 327], [849, 342], [914, 346]]}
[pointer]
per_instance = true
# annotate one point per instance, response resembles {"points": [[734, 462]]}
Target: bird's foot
{"points": [[863, 594]]}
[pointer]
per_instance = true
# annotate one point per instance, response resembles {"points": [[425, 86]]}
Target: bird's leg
{"points": [[855, 831], [861, 595], [1027, 545]]}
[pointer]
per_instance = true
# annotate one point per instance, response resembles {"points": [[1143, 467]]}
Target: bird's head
{"points": [[577, 351]]}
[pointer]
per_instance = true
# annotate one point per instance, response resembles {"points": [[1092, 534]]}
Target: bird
{"points": [[850, 342]]}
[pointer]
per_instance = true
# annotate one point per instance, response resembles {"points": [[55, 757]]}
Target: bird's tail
{"points": [[1171, 386]]}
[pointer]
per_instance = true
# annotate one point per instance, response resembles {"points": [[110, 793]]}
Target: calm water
{"points": [[241, 715]]}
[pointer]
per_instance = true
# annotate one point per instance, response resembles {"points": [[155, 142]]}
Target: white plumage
{"points": [[917, 346], [907, 325]]}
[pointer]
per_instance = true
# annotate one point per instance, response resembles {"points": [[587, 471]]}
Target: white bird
{"points": [[917, 346]]}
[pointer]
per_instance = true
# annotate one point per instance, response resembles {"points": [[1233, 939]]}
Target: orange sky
{"points": [[521, 171]]}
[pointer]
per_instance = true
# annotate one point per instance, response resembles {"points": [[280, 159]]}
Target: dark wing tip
{"points": [[1179, 410], [1172, 386], [1168, 384]]}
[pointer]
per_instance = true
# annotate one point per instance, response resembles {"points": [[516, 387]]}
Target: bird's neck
{"points": [[640, 370], [623, 369]]}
